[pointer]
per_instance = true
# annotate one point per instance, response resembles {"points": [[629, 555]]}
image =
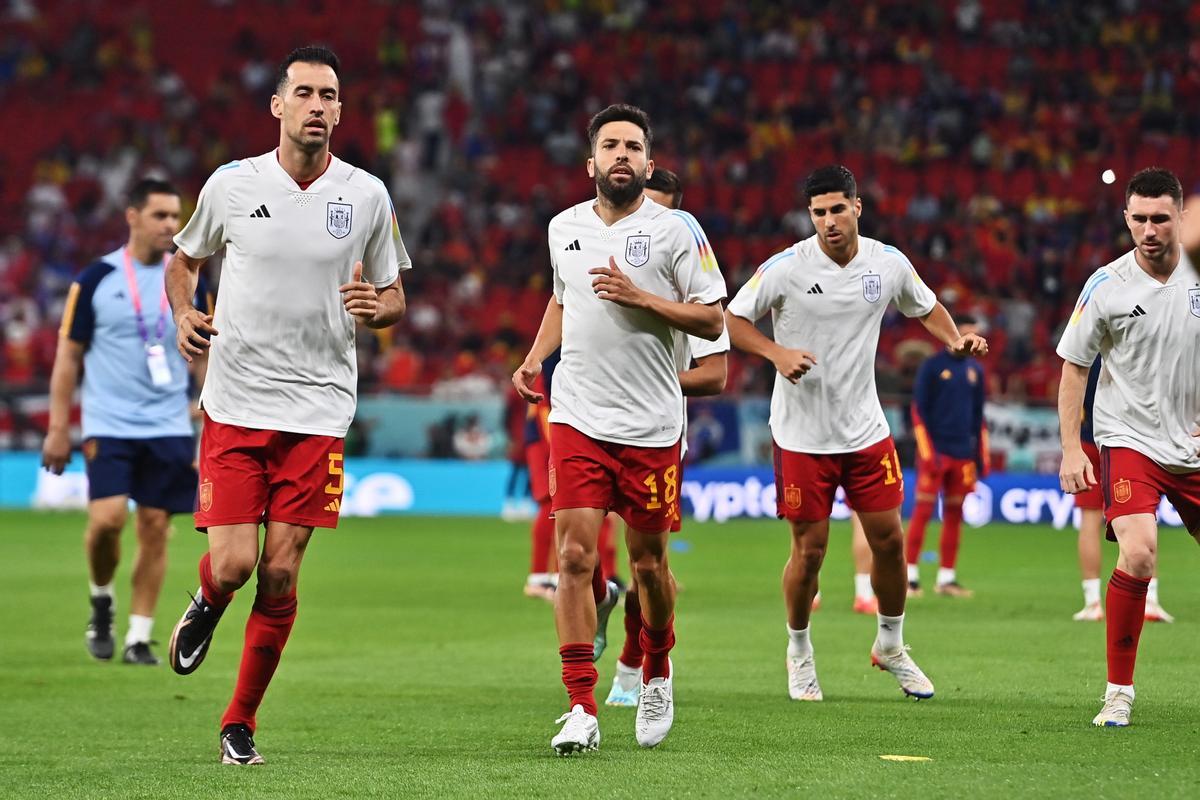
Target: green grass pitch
{"points": [[418, 669]]}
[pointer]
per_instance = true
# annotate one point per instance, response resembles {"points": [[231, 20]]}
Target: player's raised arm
{"points": [[192, 326], [548, 339]]}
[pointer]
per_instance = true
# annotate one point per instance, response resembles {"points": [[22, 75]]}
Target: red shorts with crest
{"points": [[955, 477], [641, 484], [1134, 484], [252, 475], [1092, 497], [805, 483]]}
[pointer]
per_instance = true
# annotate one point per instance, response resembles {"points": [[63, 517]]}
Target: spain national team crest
{"points": [[872, 288], [553, 482], [206, 496], [637, 250], [1194, 301], [338, 218], [1122, 490], [791, 496]]}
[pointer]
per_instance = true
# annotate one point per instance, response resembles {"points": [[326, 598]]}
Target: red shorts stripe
{"points": [[805, 483], [251, 475], [1135, 484]]}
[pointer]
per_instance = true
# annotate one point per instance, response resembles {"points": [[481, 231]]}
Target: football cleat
{"points": [[906, 672], [612, 594], [237, 746], [914, 589], [1116, 710], [1156, 613], [542, 591], [866, 605], [140, 653], [626, 687], [193, 634], [656, 710], [802, 678], [580, 733], [953, 589], [98, 636], [1092, 612]]}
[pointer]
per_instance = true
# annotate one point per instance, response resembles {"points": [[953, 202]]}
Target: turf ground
{"points": [[418, 669]]}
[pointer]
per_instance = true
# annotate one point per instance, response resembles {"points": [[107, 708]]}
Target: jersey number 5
{"points": [[336, 474]]}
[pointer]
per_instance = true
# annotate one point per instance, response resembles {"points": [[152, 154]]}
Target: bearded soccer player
{"points": [[827, 296], [311, 247], [1141, 314], [628, 274]]}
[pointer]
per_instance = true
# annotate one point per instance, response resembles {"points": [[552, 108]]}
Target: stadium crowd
{"points": [[979, 130]]}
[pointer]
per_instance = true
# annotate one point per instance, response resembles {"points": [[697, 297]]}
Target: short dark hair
{"points": [[665, 181], [140, 192], [309, 54], [831, 178], [1155, 182], [619, 112]]}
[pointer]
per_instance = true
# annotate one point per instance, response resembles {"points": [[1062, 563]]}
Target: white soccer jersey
{"points": [[618, 379], [1148, 335], [834, 313], [284, 358], [688, 347]]}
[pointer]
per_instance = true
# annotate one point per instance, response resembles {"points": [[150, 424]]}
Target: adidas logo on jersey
{"points": [[261, 213], [574, 245], [1137, 312], [816, 289], [336, 505]]}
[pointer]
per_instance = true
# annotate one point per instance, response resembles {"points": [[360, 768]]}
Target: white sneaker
{"points": [[1093, 612], [655, 711], [627, 684], [906, 672], [1156, 613], [802, 678], [580, 733], [1116, 710]]}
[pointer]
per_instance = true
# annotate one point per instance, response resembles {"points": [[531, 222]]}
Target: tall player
{"points": [[136, 425], [311, 246], [829, 293], [1141, 314], [1090, 503], [628, 274], [705, 379], [952, 450]]}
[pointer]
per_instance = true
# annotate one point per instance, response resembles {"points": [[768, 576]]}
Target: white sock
{"points": [[891, 633], [139, 629], [102, 591], [1091, 592], [1152, 591], [538, 578], [799, 644], [1116, 687], [914, 575], [862, 586], [946, 575]]}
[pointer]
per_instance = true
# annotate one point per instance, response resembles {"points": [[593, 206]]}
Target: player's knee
{"points": [[650, 569], [888, 545], [575, 559], [105, 525], [811, 558], [231, 572], [274, 579], [1139, 559]]}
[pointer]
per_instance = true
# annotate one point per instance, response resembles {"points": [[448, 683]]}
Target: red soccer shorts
{"points": [[1134, 484], [250, 475], [640, 483], [537, 458], [953, 476], [805, 483], [1092, 498]]}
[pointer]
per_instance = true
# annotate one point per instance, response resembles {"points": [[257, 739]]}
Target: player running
{"points": [[1141, 314], [311, 246], [829, 293], [628, 274]]}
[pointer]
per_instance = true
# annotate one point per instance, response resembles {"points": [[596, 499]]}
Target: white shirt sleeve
{"points": [[763, 292], [385, 255], [701, 348], [205, 232], [694, 264], [560, 287], [913, 297], [1080, 342]]}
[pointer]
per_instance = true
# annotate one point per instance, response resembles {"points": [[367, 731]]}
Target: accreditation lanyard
{"points": [[156, 354]]}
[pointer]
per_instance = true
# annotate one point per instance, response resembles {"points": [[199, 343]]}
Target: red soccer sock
{"points": [[1125, 613], [542, 535], [212, 593], [579, 675], [607, 548], [657, 646], [267, 632], [952, 516], [631, 653], [599, 587], [922, 513]]}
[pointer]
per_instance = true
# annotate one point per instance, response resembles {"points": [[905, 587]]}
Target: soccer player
{"points": [[829, 293], [1090, 503], [1141, 314], [311, 246], [705, 379], [136, 425], [628, 274], [542, 579], [952, 449]]}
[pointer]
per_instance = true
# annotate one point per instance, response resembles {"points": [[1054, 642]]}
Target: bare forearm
{"points": [[392, 305], [696, 319], [1070, 404], [63, 380], [941, 324], [749, 339], [706, 379], [181, 278], [549, 335]]}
